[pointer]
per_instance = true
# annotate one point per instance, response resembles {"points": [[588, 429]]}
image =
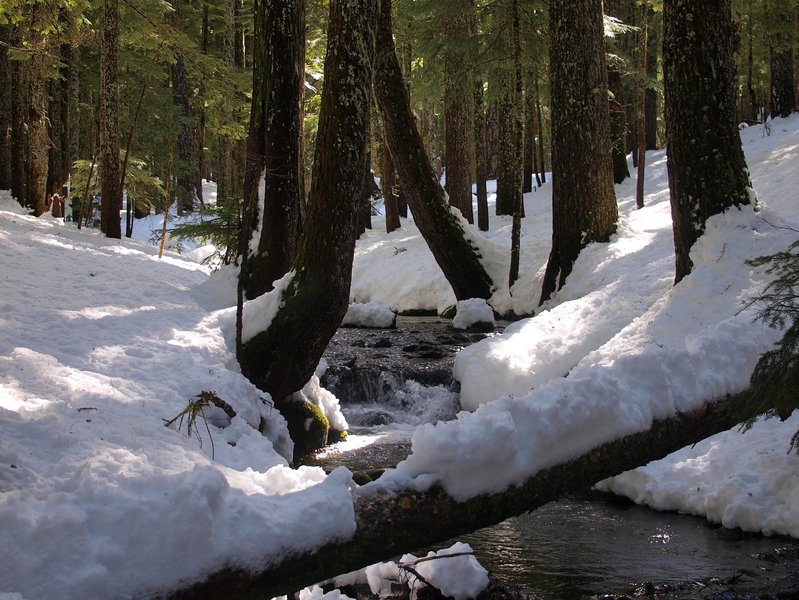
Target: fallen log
{"points": [[390, 524]]}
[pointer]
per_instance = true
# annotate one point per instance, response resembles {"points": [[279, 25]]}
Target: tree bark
{"points": [[540, 119], [279, 101], [641, 113], [38, 140], [583, 207], [706, 166], [388, 180], [281, 359], [6, 119], [518, 101], [481, 156], [390, 524], [19, 134], [456, 257], [780, 17], [110, 176], [458, 111]]}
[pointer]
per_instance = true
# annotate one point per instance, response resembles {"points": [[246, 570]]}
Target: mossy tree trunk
{"points": [[584, 206], [281, 359], [706, 165], [444, 235], [277, 116]]}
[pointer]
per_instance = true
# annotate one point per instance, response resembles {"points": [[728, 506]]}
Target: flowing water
{"points": [[571, 549]]}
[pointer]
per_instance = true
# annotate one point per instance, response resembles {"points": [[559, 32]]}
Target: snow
{"points": [[370, 314], [454, 571], [471, 312], [102, 342]]}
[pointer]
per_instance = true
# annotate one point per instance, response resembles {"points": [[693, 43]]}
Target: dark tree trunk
{"points": [[19, 133], [443, 233], [653, 35], [38, 141], [641, 112], [388, 180], [518, 101], [458, 111], [540, 119], [783, 98], [509, 160], [279, 79], [201, 159], [618, 127], [185, 167], [706, 165], [529, 143], [583, 208], [282, 359], [6, 119], [59, 124], [481, 156], [110, 176], [389, 524], [780, 20]]}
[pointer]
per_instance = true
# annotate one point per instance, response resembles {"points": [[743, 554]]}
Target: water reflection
{"points": [[580, 547]]}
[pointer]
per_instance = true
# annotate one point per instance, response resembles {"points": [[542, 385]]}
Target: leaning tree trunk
{"points": [[706, 165], [281, 359], [389, 524], [110, 176], [583, 207], [279, 75], [456, 257]]}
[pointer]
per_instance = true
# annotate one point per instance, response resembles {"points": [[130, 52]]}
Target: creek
{"points": [[593, 546]]}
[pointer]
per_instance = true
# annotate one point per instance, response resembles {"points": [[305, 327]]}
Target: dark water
{"points": [[583, 547]]}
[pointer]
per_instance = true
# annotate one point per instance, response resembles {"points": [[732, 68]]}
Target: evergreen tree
{"points": [[706, 166], [583, 207], [281, 359]]}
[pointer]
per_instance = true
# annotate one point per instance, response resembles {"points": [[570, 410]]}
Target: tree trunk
{"points": [[279, 78], [6, 119], [110, 176], [653, 36], [281, 359], [540, 118], [443, 233], [529, 143], [518, 101], [458, 110], [509, 161], [706, 165], [618, 127], [388, 179], [185, 166], [403, 521], [38, 140], [583, 207], [641, 113], [19, 129], [780, 20], [481, 156]]}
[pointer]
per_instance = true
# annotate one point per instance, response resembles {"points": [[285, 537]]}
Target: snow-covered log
{"points": [[389, 524]]}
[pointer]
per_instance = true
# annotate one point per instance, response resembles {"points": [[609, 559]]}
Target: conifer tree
{"points": [[583, 207], [706, 165]]}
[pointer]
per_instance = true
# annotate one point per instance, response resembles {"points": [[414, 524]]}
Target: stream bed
{"points": [[594, 546]]}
